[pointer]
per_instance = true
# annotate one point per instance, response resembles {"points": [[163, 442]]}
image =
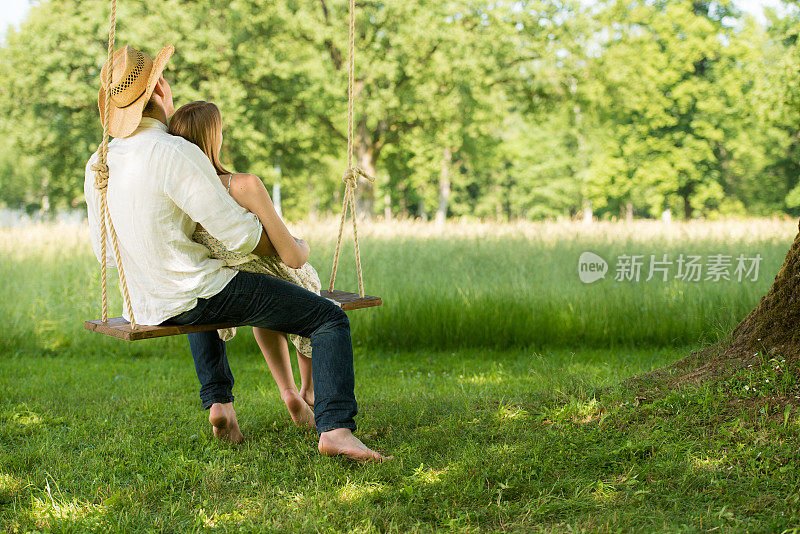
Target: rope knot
{"points": [[350, 176], [101, 175]]}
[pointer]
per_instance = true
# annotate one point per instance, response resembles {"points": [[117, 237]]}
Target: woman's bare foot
{"points": [[308, 396], [298, 409], [342, 442], [306, 378], [224, 423]]}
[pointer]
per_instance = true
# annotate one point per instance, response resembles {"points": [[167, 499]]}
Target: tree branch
{"points": [[404, 78], [324, 120], [336, 55], [325, 12], [330, 126]]}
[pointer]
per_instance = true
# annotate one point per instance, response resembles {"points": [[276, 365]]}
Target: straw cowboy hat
{"points": [[133, 80]]}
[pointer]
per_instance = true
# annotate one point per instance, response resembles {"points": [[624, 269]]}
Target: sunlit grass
{"points": [[448, 286], [101, 435]]}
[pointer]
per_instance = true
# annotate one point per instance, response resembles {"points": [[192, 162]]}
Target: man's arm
{"points": [[193, 185], [91, 196]]}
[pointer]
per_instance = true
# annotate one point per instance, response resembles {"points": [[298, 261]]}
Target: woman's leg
{"points": [[306, 378], [275, 304], [275, 349]]}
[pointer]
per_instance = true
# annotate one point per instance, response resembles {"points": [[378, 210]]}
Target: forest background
{"points": [[498, 110]]}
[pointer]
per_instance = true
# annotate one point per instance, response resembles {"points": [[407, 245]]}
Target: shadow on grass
{"points": [[483, 441]]}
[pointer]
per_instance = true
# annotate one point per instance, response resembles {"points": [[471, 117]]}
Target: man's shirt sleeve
{"points": [[193, 185], [92, 197]]}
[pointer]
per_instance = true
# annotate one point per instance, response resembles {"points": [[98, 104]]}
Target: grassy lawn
{"points": [[483, 440], [99, 435]]}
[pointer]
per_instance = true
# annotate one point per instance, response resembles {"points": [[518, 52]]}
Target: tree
{"points": [[781, 109], [770, 329], [678, 100], [488, 109]]}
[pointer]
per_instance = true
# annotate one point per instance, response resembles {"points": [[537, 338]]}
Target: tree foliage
{"points": [[527, 109]]}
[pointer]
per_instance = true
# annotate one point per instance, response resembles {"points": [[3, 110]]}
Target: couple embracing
{"points": [[202, 245]]}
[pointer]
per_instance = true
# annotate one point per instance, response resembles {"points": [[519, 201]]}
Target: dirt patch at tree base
{"points": [[770, 331]]}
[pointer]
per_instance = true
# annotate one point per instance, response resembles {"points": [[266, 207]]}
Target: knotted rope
{"points": [[101, 174], [350, 176]]}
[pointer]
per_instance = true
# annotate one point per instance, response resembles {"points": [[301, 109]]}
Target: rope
{"points": [[350, 176], [100, 169]]}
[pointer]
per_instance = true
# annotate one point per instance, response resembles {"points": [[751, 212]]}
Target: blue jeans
{"points": [[269, 302]]}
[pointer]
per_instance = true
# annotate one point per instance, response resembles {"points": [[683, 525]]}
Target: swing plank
{"points": [[120, 328], [351, 301]]}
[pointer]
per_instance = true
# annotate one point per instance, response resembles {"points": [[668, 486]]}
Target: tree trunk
{"points": [[367, 150], [313, 201], [687, 208], [587, 213], [387, 206], [365, 194], [686, 194], [769, 330], [402, 203], [45, 209], [444, 186], [497, 195], [276, 198]]}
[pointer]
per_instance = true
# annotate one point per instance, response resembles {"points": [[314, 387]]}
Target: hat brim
{"points": [[123, 121]]}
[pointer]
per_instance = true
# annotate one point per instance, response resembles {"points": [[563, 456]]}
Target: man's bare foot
{"points": [[224, 423], [308, 396], [342, 442], [298, 409]]}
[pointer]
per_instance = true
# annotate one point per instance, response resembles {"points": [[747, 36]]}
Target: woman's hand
{"points": [[305, 247]]}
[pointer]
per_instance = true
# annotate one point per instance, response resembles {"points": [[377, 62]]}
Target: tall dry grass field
{"points": [[455, 285]]}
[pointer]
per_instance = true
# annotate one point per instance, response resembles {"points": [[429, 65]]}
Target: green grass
{"points": [[484, 286], [100, 435], [482, 440]]}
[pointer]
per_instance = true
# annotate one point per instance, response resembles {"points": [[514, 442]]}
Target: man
{"points": [[161, 187]]}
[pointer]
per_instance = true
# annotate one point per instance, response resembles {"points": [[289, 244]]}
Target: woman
{"points": [[201, 123]]}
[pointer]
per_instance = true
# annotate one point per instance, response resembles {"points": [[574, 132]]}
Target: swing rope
{"points": [[101, 184], [350, 176], [100, 168]]}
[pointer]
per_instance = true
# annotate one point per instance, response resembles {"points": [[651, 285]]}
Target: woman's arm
{"points": [[264, 247], [250, 193]]}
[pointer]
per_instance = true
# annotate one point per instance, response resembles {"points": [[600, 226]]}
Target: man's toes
{"points": [[375, 455], [236, 438]]}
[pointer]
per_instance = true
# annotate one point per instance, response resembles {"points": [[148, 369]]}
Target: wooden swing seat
{"points": [[120, 328]]}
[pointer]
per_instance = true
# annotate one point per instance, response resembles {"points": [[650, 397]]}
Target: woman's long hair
{"points": [[201, 123]]}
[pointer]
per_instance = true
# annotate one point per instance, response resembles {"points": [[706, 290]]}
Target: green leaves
{"points": [[501, 110]]}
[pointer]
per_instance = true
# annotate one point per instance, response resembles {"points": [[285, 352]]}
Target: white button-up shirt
{"points": [[160, 187]]}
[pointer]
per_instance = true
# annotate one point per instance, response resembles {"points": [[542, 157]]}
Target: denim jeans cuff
{"points": [[215, 398], [334, 426]]}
